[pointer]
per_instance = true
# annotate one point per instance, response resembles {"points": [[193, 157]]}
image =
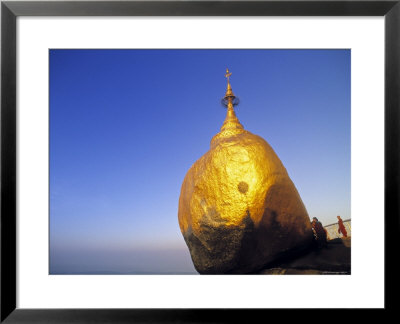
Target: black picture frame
{"points": [[10, 10]]}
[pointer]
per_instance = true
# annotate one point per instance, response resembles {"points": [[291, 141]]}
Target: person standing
{"points": [[320, 233], [342, 228]]}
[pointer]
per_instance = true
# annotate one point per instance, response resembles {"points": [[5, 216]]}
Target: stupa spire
{"points": [[229, 92], [229, 101]]}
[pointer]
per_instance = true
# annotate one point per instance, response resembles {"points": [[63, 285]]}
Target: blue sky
{"points": [[126, 125]]}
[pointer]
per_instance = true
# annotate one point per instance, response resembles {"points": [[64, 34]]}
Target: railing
{"points": [[332, 229]]}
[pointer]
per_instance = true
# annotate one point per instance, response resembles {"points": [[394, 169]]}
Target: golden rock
{"points": [[238, 208]]}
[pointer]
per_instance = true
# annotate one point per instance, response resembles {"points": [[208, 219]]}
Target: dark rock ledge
{"points": [[334, 258]]}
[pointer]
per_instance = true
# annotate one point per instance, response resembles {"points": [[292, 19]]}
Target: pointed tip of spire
{"points": [[229, 98]]}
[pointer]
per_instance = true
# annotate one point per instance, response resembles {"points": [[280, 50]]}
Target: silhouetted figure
{"points": [[342, 228], [319, 231]]}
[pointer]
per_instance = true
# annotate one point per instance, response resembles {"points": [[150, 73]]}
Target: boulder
{"points": [[238, 208]]}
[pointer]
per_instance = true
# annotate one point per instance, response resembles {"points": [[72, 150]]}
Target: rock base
{"points": [[334, 258]]}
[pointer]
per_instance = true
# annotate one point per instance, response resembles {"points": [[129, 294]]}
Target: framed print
{"points": [[106, 105]]}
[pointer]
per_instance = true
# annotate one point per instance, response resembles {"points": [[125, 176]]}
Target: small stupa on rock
{"points": [[238, 208]]}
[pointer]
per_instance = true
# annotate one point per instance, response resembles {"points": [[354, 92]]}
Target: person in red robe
{"points": [[342, 228]]}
